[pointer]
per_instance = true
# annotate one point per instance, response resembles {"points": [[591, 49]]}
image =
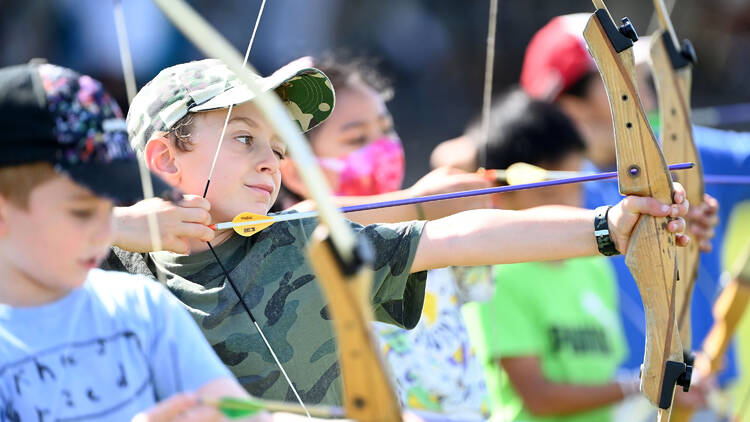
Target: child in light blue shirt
{"points": [[77, 343]]}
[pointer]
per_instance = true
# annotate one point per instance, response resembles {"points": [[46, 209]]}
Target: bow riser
{"points": [[651, 253], [673, 76]]}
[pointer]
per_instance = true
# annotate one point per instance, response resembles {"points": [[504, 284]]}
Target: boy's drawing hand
{"points": [[702, 219], [623, 217], [177, 223], [179, 408]]}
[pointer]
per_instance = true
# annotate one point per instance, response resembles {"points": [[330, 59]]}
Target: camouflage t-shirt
{"points": [[279, 287]]}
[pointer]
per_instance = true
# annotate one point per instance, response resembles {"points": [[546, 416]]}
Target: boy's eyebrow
{"points": [[248, 121]]}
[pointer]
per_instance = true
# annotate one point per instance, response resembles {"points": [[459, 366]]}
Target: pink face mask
{"points": [[376, 168]]}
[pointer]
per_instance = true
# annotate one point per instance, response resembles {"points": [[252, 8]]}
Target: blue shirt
{"points": [[104, 352], [721, 152]]}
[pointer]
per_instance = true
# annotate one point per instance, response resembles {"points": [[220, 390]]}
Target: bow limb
{"points": [[651, 255], [130, 87], [672, 65], [672, 68], [728, 310], [340, 262]]}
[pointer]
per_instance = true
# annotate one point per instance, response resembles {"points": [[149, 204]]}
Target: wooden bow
{"points": [[672, 69], [728, 309], [341, 262], [672, 64], [651, 254]]}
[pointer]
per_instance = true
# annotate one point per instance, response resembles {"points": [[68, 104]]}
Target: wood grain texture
{"points": [[368, 393], [651, 254], [673, 91]]}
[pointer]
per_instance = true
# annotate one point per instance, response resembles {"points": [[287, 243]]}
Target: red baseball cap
{"points": [[556, 57]]}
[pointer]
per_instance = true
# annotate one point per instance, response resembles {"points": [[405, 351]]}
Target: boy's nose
{"points": [[267, 161]]}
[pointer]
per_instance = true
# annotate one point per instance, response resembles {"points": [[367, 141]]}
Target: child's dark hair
{"points": [[526, 130], [580, 88], [343, 71]]}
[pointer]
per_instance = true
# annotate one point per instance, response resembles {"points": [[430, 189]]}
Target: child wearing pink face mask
{"points": [[362, 155], [376, 168], [433, 364]]}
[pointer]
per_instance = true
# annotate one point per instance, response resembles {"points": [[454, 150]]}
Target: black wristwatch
{"points": [[601, 232]]}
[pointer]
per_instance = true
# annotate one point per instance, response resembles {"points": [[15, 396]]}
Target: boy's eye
{"points": [[280, 153], [245, 139], [82, 214]]}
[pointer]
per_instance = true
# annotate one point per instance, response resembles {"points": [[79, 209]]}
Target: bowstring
{"points": [[231, 106], [128, 73], [489, 69], [130, 84], [211, 248]]}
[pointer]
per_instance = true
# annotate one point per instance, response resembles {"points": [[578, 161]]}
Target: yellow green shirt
{"points": [[565, 313]]}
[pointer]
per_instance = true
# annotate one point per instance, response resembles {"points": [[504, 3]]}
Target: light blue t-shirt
{"points": [[104, 352], [722, 152]]}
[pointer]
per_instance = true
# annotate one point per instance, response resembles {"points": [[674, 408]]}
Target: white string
{"points": [[130, 87], [283, 372], [127, 65], [489, 67], [231, 106], [125, 58], [210, 175], [653, 23]]}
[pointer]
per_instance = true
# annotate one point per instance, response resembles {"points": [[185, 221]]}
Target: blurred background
{"points": [[433, 51]]}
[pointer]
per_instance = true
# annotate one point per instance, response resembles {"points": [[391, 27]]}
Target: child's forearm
{"points": [[552, 399], [486, 237]]}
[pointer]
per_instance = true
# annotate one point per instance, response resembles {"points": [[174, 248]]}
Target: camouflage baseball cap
{"points": [[210, 85]]}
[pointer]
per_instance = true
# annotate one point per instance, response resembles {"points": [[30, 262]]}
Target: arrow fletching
{"points": [[519, 173], [246, 223], [524, 173], [234, 408]]}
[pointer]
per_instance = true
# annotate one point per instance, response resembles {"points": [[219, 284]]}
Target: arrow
{"points": [[247, 224], [234, 408], [522, 173]]}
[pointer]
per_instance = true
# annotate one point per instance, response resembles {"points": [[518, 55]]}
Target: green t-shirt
{"points": [[277, 284], [565, 313]]}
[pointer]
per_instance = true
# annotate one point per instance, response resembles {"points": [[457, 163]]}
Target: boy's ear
{"points": [[291, 179], [162, 160]]}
